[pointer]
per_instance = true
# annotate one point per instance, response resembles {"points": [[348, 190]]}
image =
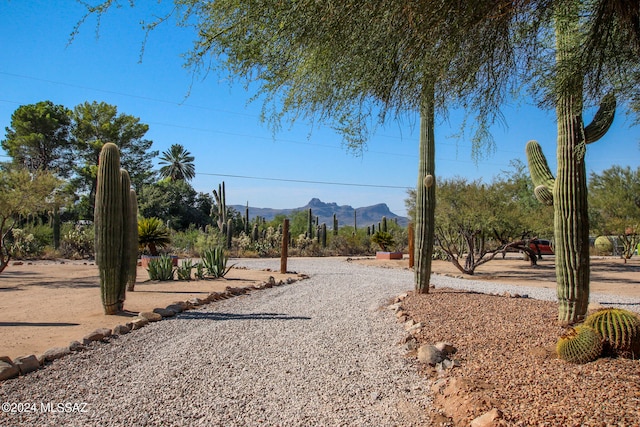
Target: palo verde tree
{"points": [[352, 64]]}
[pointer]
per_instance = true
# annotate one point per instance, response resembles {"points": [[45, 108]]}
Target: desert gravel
{"points": [[324, 351]]}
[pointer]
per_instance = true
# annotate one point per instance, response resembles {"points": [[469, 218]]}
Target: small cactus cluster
{"points": [[610, 331], [116, 242]]}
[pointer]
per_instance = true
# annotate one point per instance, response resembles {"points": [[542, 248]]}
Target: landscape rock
{"points": [[8, 369], [415, 328], [176, 308], [140, 323], [55, 353], [408, 324], [395, 306], [184, 305], [488, 419], [272, 281], [97, 335], [163, 312], [446, 348], [76, 346], [430, 355], [196, 302], [121, 330], [401, 297], [27, 364], [150, 316]]}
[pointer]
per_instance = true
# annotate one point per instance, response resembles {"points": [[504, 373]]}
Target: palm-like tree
{"points": [[178, 164]]}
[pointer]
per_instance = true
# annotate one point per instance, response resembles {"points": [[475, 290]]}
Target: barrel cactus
{"points": [[581, 344], [619, 328], [603, 245]]}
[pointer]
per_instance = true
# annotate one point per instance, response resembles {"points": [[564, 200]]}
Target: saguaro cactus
{"points": [[568, 191], [335, 225], [384, 224], [310, 224], [131, 239], [108, 220], [221, 203]]}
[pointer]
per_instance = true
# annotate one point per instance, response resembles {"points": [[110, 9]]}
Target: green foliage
{"points": [[38, 138], [177, 164], [580, 344], [161, 268], [184, 270], [22, 193], [152, 234], [383, 239], [175, 203], [24, 245], [214, 261], [619, 328]]}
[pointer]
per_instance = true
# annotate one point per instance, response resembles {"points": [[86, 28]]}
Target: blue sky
{"points": [[212, 118]]}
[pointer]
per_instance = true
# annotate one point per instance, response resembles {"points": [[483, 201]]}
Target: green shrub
{"points": [[24, 245], [215, 262], [161, 268], [77, 241]]}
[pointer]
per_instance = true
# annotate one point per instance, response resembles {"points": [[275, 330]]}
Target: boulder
{"points": [[446, 348], [140, 322], [8, 369], [76, 346], [196, 302], [430, 355], [27, 364]]}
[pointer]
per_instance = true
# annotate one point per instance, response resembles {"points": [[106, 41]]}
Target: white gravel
{"points": [[317, 352]]}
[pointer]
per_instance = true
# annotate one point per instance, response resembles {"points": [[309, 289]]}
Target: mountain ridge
{"points": [[365, 216]]}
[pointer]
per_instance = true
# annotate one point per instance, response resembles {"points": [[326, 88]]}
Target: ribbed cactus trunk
{"points": [[425, 194], [125, 188], [108, 220], [571, 217], [229, 233], [132, 241], [335, 225], [384, 224], [310, 224]]}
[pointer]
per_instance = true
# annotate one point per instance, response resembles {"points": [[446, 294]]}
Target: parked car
{"points": [[541, 247]]}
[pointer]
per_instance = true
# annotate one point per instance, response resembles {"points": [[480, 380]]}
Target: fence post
{"points": [[285, 246]]}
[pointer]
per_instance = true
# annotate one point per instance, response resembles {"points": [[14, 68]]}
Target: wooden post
{"points": [[412, 245], [285, 246]]}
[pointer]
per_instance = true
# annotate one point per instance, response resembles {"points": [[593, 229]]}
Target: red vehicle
{"points": [[541, 247]]}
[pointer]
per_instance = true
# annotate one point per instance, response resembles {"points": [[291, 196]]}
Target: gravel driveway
{"points": [[317, 352]]}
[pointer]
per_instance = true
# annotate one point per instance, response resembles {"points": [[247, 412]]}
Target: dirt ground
{"points": [[45, 304], [609, 275]]}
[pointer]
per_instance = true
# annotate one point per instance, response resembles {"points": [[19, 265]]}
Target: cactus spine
{"points": [[568, 191], [108, 220], [581, 344], [619, 328]]}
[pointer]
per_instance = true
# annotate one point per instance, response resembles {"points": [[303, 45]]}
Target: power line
{"points": [[348, 184]]}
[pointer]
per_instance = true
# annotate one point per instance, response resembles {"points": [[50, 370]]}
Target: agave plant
{"points": [[152, 234], [214, 262], [184, 271], [161, 268]]}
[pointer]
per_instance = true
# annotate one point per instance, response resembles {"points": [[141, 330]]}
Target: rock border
{"points": [[24, 365]]}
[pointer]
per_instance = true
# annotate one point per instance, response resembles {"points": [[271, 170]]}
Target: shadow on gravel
{"points": [[232, 316]]}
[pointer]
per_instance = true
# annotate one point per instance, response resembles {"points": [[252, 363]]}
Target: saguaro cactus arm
{"points": [[602, 120], [541, 175]]}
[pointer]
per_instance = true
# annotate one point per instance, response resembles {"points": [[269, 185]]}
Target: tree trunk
{"points": [[571, 219], [425, 194]]}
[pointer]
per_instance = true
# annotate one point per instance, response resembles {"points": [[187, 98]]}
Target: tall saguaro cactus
{"points": [[568, 191], [108, 220], [221, 202], [131, 241]]}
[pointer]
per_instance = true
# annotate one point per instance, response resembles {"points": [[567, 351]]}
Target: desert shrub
{"points": [[77, 241], [603, 245], [23, 244], [184, 243]]}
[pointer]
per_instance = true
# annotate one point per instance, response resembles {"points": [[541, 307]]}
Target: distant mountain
{"points": [[324, 211]]}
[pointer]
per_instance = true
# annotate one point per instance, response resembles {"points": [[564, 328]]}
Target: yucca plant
{"points": [[161, 269], [214, 262], [152, 234], [184, 271]]}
